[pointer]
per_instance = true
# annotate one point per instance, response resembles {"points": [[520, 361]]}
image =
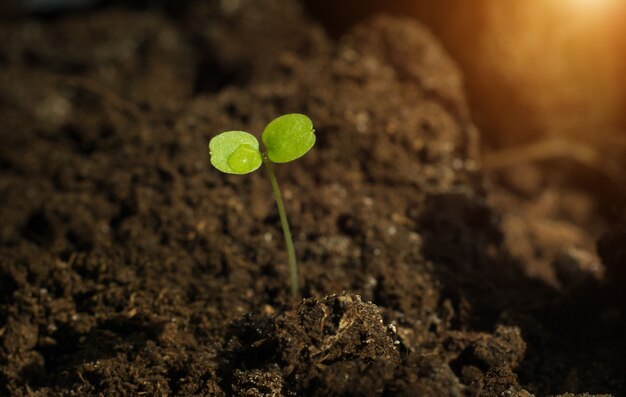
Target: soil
{"points": [[128, 266]]}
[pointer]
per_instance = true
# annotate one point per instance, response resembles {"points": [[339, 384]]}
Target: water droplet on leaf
{"points": [[244, 159]]}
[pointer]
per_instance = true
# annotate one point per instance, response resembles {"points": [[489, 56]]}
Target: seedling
{"points": [[285, 138]]}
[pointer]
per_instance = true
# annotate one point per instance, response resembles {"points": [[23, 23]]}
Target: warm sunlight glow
{"points": [[592, 5]]}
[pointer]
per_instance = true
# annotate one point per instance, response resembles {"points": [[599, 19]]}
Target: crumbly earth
{"points": [[128, 266]]}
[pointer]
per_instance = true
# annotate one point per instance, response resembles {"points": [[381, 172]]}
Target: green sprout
{"points": [[285, 138]]}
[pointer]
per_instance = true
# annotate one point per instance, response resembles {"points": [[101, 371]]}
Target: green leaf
{"points": [[288, 137], [235, 152]]}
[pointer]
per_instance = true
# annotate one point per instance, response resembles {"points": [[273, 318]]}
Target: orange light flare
{"points": [[593, 17], [541, 70], [566, 60], [592, 6], [595, 49]]}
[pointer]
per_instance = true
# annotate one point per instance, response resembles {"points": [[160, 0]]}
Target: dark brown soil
{"points": [[128, 266]]}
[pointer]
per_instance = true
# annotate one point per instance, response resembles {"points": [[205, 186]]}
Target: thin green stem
{"points": [[291, 251]]}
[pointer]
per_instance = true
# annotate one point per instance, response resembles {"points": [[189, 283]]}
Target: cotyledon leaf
{"points": [[235, 152], [288, 137]]}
